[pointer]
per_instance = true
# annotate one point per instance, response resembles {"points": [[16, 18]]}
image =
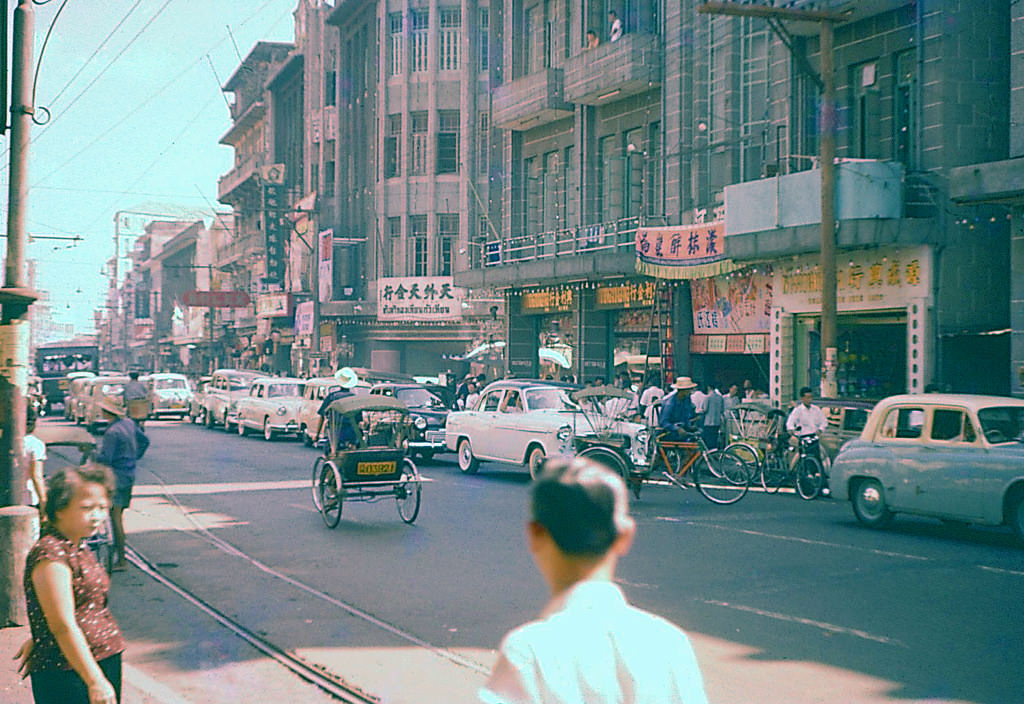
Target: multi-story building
{"points": [[692, 139]]}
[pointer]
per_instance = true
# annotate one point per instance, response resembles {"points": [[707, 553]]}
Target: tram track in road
{"points": [[317, 674]]}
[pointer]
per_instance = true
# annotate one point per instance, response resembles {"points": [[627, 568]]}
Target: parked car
{"points": [[955, 457], [195, 404], [169, 395], [271, 406], [515, 420], [313, 394], [77, 391], [428, 413], [102, 387], [223, 392]]}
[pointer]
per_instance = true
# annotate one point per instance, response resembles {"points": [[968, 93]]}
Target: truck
{"points": [[54, 363]]}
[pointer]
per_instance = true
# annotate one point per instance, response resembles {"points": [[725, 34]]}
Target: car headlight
{"points": [[420, 422], [281, 410], [564, 433]]}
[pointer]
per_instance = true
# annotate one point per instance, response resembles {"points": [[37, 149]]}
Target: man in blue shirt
{"points": [[677, 411], [121, 446]]}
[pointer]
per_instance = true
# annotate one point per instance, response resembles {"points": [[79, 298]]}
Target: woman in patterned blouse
{"points": [[75, 651]]}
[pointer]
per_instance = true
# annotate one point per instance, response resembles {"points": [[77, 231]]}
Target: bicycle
{"points": [[805, 472], [721, 476]]}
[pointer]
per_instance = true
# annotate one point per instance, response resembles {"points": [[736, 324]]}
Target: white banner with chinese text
{"points": [[423, 298]]}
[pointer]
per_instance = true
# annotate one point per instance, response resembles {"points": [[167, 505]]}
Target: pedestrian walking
{"points": [[122, 445], [714, 410], [35, 457], [589, 645], [74, 654], [136, 399]]}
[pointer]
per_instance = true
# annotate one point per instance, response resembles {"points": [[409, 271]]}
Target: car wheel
{"points": [[869, 504], [535, 460], [468, 464], [268, 432]]}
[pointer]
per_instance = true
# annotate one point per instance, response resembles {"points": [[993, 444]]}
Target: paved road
{"points": [[787, 601]]}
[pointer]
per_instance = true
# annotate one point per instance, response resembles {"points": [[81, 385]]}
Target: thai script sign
{"points": [[682, 251], [425, 298]]}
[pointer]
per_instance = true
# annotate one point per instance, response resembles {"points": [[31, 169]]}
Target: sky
{"points": [[134, 92]]}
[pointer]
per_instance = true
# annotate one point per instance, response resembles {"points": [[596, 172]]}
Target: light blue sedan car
{"points": [[958, 458]]}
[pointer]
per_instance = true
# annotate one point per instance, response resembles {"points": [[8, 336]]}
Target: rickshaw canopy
{"points": [[355, 404]]}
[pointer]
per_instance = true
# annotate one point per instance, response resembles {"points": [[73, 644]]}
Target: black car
{"points": [[427, 411]]}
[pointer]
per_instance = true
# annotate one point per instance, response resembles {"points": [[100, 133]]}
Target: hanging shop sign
{"points": [[729, 344], [216, 299], [550, 299], [739, 302], [274, 305], [325, 262], [625, 295], [304, 318], [276, 227], [425, 298], [682, 251], [873, 279]]}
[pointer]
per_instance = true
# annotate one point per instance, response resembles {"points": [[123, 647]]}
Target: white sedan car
{"points": [[516, 421], [272, 406]]}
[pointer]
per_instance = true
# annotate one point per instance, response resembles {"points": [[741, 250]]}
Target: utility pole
{"points": [[827, 152], [18, 523]]}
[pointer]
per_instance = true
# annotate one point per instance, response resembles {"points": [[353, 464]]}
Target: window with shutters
{"points": [[392, 147], [417, 245], [418, 142], [395, 35], [420, 20], [483, 143], [448, 141], [447, 236], [448, 40], [393, 251], [484, 44]]}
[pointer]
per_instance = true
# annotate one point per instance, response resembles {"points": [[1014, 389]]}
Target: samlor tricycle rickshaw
{"points": [[72, 446], [365, 457]]}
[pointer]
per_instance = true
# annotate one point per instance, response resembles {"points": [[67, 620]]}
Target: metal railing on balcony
{"points": [[239, 248], [601, 238]]}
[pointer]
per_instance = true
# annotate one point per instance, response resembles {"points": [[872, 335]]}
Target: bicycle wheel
{"points": [[332, 494], [773, 473], [722, 478], [407, 492], [314, 485], [809, 477]]}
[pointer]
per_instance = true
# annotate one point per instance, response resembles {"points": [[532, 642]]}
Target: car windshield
{"points": [[418, 398], [163, 384], [1002, 423], [548, 398], [276, 390]]}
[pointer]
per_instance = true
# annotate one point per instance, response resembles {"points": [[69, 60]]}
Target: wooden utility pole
{"points": [[827, 151]]}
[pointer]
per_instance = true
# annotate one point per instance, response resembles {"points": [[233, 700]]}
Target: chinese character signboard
{"points": [[625, 295], [738, 303], [274, 305], [550, 299], [276, 227], [325, 264], [865, 280], [304, 318], [682, 251], [423, 298]]}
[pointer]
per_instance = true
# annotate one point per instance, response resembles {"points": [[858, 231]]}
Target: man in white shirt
{"points": [[589, 645], [616, 27], [806, 418]]}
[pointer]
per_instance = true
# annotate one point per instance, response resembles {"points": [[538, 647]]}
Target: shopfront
{"points": [[275, 327], [884, 325]]}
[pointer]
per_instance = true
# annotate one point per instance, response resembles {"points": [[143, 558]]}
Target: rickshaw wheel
{"points": [[315, 483], [407, 492], [331, 489]]}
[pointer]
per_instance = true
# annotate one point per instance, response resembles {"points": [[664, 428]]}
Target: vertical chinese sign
{"points": [[276, 229], [325, 262]]}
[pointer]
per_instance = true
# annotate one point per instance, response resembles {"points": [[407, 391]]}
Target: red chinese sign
{"points": [[682, 251], [216, 299]]}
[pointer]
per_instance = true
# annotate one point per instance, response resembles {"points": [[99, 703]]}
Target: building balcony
{"points": [[614, 70], [531, 101], [575, 253], [246, 173], [239, 249], [781, 215]]}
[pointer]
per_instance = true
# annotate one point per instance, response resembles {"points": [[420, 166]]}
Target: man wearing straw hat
{"points": [[677, 411], [122, 445]]}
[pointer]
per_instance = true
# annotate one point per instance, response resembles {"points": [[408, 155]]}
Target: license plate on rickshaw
{"points": [[372, 469]]}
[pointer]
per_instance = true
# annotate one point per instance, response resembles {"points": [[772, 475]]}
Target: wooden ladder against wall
{"points": [[659, 333]]}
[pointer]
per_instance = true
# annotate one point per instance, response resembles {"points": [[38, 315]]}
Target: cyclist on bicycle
{"points": [[677, 411], [808, 420]]}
